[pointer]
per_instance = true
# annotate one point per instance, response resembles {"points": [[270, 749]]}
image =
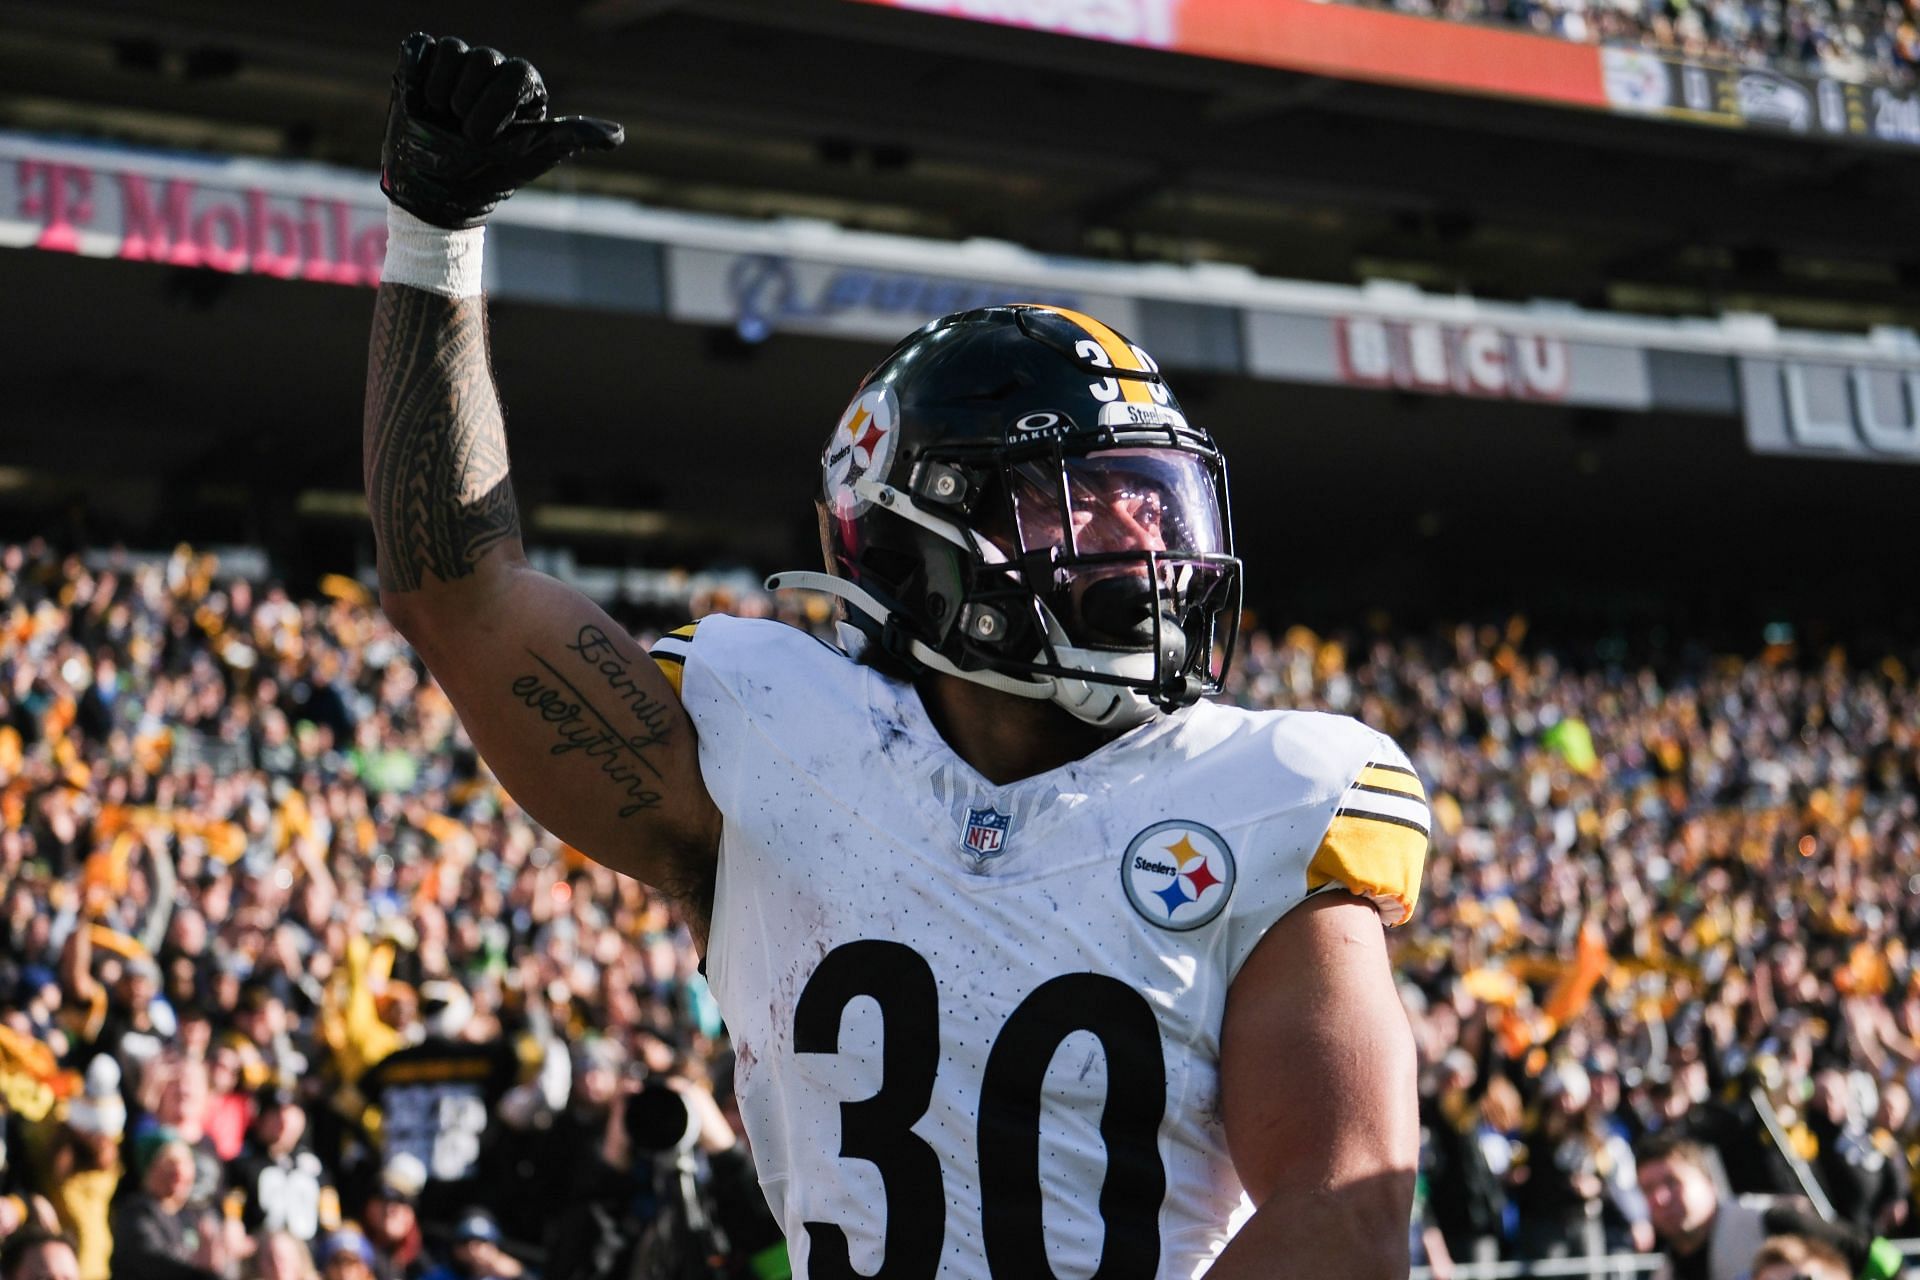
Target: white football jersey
{"points": [[977, 1027]]}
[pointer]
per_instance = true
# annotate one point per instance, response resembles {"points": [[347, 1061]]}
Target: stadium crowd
{"points": [[1859, 41], [289, 987]]}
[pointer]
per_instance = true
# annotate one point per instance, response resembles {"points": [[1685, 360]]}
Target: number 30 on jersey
{"points": [[879, 1129]]}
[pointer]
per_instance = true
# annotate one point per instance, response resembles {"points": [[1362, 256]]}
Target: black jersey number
{"points": [[878, 1129]]}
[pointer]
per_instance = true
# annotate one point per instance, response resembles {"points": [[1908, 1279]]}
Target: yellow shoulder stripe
{"points": [[1378, 860], [1387, 778], [669, 653]]}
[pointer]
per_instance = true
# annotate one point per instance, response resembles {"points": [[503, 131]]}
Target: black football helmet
{"points": [[1015, 498]]}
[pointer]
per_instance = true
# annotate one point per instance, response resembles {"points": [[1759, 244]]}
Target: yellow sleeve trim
{"points": [[1376, 859], [669, 653], [1387, 778]]}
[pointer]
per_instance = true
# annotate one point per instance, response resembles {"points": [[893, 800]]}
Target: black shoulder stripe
{"points": [[1393, 768], [1386, 791], [1381, 817]]}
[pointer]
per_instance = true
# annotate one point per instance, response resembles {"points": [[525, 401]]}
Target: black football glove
{"points": [[468, 127]]}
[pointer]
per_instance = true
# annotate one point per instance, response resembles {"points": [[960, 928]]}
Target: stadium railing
{"points": [[1617, 1266], [1610, 1267]]}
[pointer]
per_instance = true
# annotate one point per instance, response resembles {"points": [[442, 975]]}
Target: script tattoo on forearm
{"points": [[435, 442], [583, 719]]}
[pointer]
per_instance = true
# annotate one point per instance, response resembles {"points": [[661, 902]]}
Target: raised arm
{"points": [[575, 719], [1317, 1091]]}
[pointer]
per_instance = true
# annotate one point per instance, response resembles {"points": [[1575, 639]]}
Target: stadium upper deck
{"points": [[1418, 450]]}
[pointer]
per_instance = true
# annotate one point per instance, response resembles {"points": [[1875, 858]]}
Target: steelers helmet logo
{"points": [[860, 446], [1178, 874]]}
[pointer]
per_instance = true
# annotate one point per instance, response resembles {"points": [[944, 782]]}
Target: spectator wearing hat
{"points": [[279, 1175], [174, 1089], [74, 1159], [156, 1235], [37, 1253], [345, 1254], [393, 1221], [476, 1252]]}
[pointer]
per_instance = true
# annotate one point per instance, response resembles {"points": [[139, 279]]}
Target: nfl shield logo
{"points": [[986, 831]]}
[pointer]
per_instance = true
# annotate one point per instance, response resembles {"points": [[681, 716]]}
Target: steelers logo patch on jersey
{"points": [[861, 445], [1178, 874]]}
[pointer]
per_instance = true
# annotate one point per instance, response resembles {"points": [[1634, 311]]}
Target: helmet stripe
{"points": [[1117, 351]]}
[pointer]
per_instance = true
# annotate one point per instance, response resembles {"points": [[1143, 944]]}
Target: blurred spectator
{"points": [[175, 1098], [1707, 1234], [1892, 1136], [1797, 1258], [438, 1099], [279, 1255], [392, 1223], [156, 1235], [1466, 1197], [1559, 1191], [345, 1254], [1854, 1170], [37, 1253], [75, 1164], [269, 854], [476, 1252], [280, 1179]]}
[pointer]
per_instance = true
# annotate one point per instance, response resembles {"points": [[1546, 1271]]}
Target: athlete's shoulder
{"points": [[1320, 752], [1376, 821], [730, 649], [1376, 841]]}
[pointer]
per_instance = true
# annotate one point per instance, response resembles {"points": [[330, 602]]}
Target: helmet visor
{"points": [[1118, 501]]}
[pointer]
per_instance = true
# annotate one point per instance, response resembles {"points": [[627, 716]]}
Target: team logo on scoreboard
{"points": [[1178, 874], [986, 832]]}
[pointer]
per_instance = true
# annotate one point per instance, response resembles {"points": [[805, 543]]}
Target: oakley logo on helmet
{"points": [[860, 446], [1040, 424]]}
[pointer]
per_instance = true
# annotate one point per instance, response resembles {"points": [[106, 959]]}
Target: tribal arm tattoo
{"points": [[435, 443]]}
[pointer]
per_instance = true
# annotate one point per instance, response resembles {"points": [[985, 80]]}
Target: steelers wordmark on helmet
{"points": [[862, 445], [1178, 874]]}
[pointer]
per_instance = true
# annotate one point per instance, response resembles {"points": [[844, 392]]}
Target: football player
{"points": [[1034, 961]]}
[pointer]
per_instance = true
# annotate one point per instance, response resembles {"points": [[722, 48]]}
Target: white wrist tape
{"points": [[423, 256]]}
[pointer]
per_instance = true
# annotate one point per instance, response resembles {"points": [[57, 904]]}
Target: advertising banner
{"points": [[1356, 43], [1474, 358], [759, 294], [1315, 38], [1644, 83], [226, 215], [1805, 408]]}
